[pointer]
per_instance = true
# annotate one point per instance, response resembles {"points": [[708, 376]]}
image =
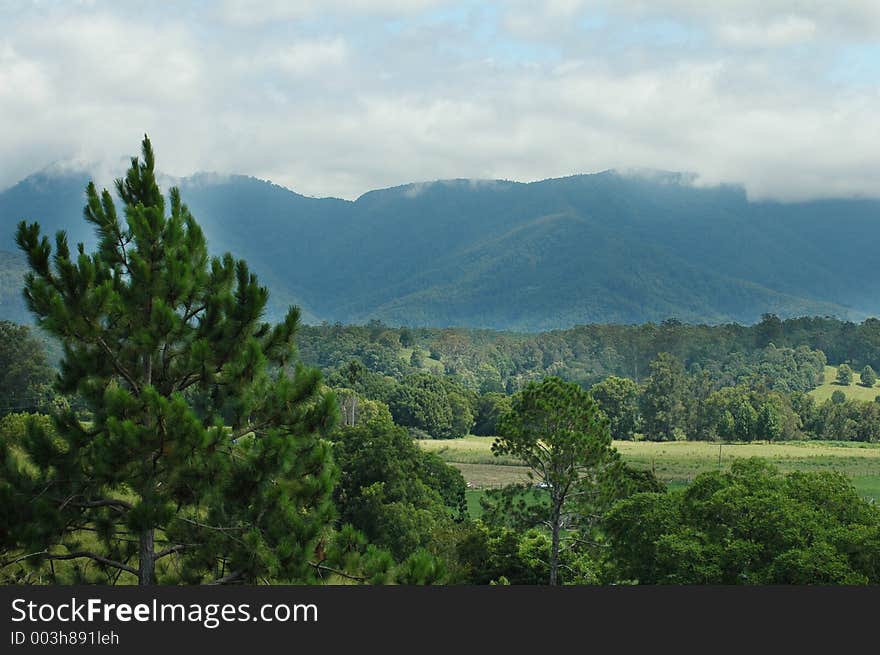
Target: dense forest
{"points": [[654, 381], [155, 429]]}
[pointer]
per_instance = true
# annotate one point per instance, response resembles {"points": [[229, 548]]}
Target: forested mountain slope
{"points": [[589, 248]]}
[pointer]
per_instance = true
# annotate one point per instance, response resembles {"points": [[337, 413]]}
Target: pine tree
{"points": [[201, 458], [558, 430]]}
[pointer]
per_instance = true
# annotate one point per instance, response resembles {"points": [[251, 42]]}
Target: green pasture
{"points": [[433, 365], [677, 463], [854, 391]]}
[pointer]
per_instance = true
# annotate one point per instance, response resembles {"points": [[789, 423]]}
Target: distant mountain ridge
{"points": [[605, 247]]}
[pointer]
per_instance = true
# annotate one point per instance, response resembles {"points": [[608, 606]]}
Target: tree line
{"points": [[706, 402], [488, 360]]}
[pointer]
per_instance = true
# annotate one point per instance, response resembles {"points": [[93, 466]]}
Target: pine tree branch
{"points": [[170, 551], [4, 564], [116, 503], [116, 363], [322, 567], [191, 313], [218, 528], [122, 243], [221, 529], [187, 381], [226, 579], [250, 427], [580, 541], [79, 554]]}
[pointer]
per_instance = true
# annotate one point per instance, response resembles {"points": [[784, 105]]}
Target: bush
{"points": [[748, 525], [13, 427]]}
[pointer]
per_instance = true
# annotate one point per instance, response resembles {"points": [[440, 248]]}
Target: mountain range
{"points": [[605, 247]]}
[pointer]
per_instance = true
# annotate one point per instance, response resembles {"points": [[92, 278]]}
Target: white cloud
{"points": [[256, 12], [23, 87], [327, 109], [310, 57], [750, 23], [781, 32]]}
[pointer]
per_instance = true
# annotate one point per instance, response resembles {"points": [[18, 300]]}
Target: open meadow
{"points": [[854, 391], [677, 463]]}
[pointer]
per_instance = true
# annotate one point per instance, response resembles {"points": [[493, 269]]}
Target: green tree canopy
{"points": [[202, 459], [663, 401], [407, 339], [748, 525], [769, 330], [619, 400], [490, 408], [440, 406], [25, 377], [398, 495], [868, 377], [557, 429], [844, 375]]}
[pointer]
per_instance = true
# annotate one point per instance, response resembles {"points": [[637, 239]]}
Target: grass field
{"points": [[868, 486], [855, 391], [677, 463], [433, 365]]}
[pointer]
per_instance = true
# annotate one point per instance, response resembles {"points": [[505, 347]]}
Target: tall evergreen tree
{"points": [[769, 330], [618, 399], [557, 429], [663, 401], [202, 458], [868, 377]]}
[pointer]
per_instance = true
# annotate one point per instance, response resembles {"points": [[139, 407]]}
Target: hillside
{"points": [[854, 391], [537, 256]]}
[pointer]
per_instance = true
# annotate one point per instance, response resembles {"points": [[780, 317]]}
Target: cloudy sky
{"points": [[335, 98]]}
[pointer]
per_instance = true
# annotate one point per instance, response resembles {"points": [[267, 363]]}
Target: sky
{"points": [[333, 98]]}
